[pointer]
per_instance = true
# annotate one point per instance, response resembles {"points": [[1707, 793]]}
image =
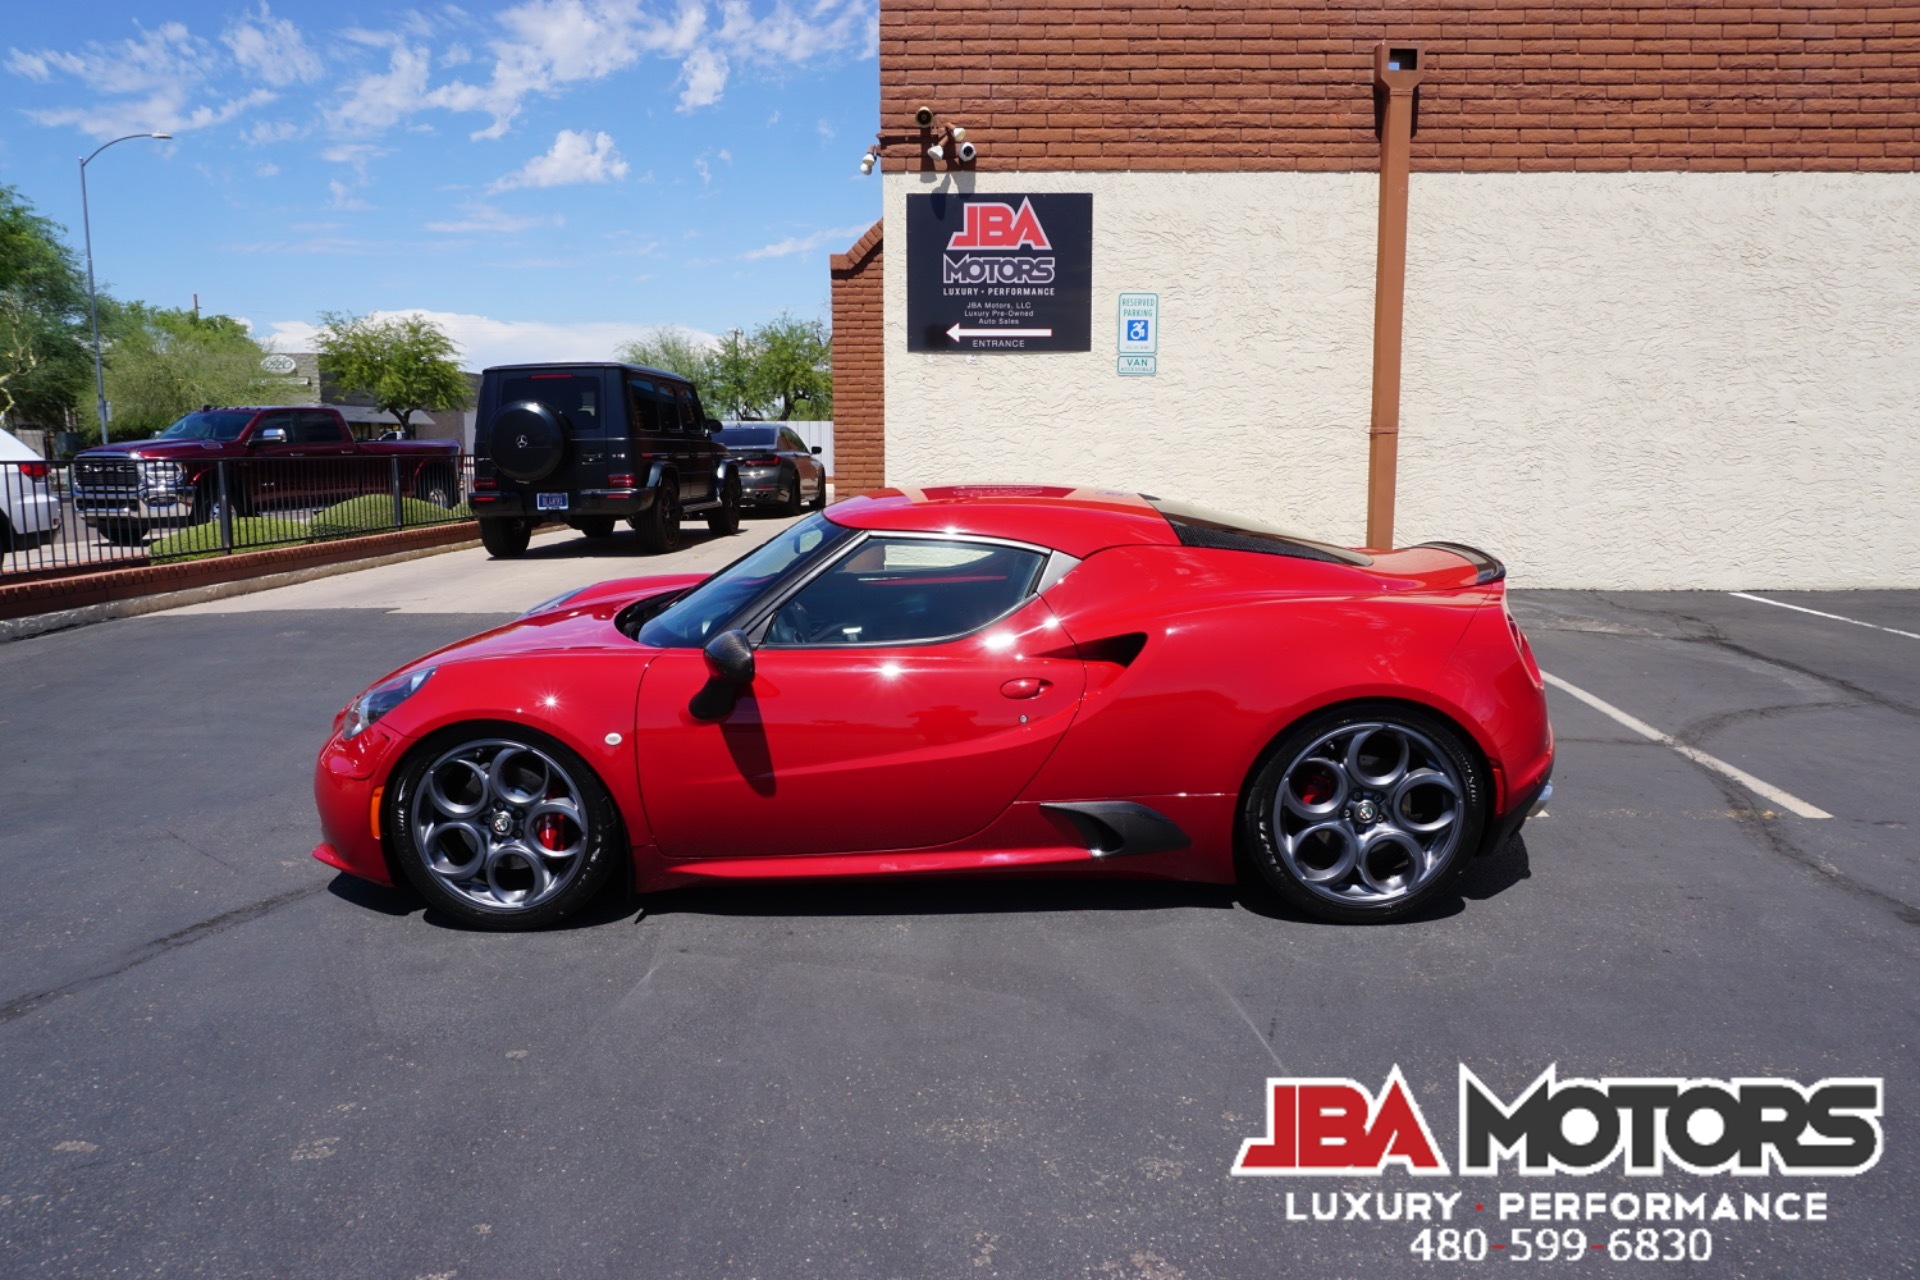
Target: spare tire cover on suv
{"points": [[527, 441]]}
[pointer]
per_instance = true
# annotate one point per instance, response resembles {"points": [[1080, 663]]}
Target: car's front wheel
{"points": [[505, 537], [1365, 812], [502, 826]]}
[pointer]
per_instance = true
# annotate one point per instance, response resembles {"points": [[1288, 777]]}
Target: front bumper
{"points": [[149, 508], [348, 789]]}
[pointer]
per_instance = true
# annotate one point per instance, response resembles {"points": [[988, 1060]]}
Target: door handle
{"points": [[1024, 687]]}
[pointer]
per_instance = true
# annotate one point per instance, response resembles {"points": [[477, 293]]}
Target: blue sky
{"points": [[547, 177]]}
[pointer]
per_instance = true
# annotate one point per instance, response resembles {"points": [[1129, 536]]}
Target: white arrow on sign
{"points": [[957, 333]]}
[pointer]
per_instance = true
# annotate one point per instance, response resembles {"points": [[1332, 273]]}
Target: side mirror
{"points": [[272, 435], [816, 448], [711, 425], [729, 670]]}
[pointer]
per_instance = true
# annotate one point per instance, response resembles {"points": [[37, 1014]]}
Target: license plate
{"points": [[549, 502]]}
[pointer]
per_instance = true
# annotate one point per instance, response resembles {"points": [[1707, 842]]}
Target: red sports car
{"points": [[957, 680]]}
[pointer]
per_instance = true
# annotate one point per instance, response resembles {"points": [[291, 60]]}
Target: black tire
{"points": [[788, 503], [819, 502], [595, 526], [7, 542], [123, 533], [659, 525], [1352, 840], [725, 522], [552, 885], [437, 485], [505, 537]]}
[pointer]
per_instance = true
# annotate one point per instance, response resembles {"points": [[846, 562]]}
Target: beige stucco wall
{"points": [[1631, 380]]}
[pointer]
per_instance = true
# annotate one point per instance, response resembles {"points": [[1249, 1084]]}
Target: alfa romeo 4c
{"points": [[963, 681]]}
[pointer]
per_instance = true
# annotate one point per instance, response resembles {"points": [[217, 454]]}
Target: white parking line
{"points": [[1792, 804], [1781, 604]]}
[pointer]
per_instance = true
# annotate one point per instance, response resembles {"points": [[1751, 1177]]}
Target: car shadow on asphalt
{"points": [[619, 545], [1003, 895]]}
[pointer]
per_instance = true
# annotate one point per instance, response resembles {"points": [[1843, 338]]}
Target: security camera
{"points": [[924, 117], [936, 153], [967, 152]]}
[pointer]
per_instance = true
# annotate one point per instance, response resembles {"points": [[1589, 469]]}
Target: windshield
{"points": [[696, 617], [207, 426]]}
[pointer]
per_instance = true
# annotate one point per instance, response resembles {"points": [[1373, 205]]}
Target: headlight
{"points": [[554, 603], [379, 700]]}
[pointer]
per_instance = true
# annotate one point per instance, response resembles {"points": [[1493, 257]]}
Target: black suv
{"points": [[589, 444]]}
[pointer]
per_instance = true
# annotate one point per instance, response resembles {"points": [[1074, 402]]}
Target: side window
{"points": [[640, 407], [791, 439], [689, 415], [317, 428], [669, 411], [907, 591]]}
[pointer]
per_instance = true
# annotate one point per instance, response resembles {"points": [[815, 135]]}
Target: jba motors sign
{"points": [[1335, 1127], [999, 272]]}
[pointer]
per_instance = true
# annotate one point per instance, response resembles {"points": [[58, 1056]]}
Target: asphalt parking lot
{"points": [[221, 1059]]}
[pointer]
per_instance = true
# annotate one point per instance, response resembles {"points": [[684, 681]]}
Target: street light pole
{"points": [[93, 301]]}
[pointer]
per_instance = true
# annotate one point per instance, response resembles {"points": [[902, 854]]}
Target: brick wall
{"points": [[1715, 84], [859, 368]]}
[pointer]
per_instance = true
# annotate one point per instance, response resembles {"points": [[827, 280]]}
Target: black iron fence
{"points": [[94, 513]]}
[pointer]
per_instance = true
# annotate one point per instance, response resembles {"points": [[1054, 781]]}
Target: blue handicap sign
{"points": [[1136, 331]]}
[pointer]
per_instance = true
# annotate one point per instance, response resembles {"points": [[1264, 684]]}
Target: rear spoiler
{"points": [[1486, 568]]}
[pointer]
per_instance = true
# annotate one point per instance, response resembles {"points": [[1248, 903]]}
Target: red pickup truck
{"points": [[277, 458]]}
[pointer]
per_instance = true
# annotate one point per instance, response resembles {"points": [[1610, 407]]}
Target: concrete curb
{"points": [[66, 619]]}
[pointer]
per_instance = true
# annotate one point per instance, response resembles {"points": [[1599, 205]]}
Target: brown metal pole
{"points": [[1397, 71]]}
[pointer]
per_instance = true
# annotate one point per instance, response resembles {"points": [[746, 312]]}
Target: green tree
{"points": [[44, 356], [405, 363], [782, 370], [162, 363], [792, 369], [673, 349]]}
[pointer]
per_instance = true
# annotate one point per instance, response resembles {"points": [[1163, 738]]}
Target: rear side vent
{"points": [[1120, 650]]}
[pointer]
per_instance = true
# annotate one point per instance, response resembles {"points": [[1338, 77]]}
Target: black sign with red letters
{"points": [[997, 272]]}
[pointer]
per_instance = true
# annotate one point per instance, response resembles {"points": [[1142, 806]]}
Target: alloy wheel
{"points": [[501, 824]]}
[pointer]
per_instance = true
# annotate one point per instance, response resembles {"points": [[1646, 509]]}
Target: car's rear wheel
{"points": [[659, 525], [502, 826], [725, 522], [595, 526], [505, 537], [789, 500], [820, 494], [1365, 812]]}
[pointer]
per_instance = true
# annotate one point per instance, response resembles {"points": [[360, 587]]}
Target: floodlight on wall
{"points": [[867, 162], [936, 153]]}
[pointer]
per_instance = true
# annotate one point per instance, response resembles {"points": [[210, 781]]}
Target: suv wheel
{"points": [[659, 525], [726, 521], [505, 538]]}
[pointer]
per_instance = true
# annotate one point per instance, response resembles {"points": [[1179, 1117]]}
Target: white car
{"points": [[29, 512]]}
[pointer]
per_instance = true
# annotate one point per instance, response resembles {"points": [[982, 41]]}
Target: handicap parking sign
{"points": [[1138, 332]]}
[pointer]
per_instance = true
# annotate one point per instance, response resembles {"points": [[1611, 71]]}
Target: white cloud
{"points": [[272, 49], [342, 196], [704, 75], [151, 83], [382, 99], [836, 237], [267, 171], [486, 218], [576, 157], [487, 341], [269, 131]]}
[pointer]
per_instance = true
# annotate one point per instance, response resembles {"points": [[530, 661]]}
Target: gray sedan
{"points": [[777, 469]]}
